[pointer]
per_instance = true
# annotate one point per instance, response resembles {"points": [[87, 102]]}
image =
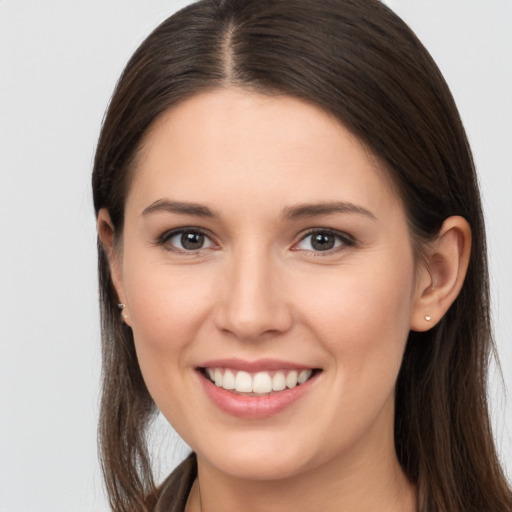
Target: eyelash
{"points": [[343, 240], [164, 239]]}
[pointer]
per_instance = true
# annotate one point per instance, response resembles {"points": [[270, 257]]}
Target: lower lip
{"points": [[252, 406]]}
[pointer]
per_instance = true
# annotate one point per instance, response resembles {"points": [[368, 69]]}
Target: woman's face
{"points": [[263, 247]]}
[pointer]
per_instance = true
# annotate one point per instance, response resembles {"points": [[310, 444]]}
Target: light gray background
{"points": [[59, 61]]}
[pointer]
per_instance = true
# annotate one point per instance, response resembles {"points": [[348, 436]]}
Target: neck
{"points": [[359, 482]]}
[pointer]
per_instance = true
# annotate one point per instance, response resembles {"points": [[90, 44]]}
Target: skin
{"points": [[259, 289]]}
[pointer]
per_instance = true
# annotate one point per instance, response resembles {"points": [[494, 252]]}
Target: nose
{"points": [[253, 300]]}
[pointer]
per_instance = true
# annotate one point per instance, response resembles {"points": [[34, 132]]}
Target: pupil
{"points": [[322, 241], [191, 241]]}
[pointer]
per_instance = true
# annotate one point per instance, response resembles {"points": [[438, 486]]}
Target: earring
{"points": [[428, 318], [121, 308]]}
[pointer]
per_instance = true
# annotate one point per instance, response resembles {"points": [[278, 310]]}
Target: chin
{"points": [[266, 459], [254, 467]]}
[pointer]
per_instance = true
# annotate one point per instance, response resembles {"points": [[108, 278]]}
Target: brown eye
{"points": [[192, 241], [187, 240], [323, 240]]}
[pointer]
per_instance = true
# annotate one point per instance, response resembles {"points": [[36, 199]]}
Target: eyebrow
{"points": [[302, 211], [299, 211], [183, 208]]}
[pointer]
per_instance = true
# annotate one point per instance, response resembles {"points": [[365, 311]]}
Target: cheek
{"points": [[166, 309], [363, 316]]}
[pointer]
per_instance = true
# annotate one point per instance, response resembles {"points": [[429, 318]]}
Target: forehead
{"points": [[262, 150]]}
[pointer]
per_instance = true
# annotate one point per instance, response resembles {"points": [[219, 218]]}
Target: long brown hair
{"points": [[360, 62]]}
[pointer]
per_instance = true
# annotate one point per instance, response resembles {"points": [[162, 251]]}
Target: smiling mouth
{"points": [[263, 383]]}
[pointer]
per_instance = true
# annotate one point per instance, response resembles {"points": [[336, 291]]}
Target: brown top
{"points": [[175, 489]]}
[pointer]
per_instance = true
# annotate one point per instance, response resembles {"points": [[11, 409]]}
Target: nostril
{"points": [[250, 302], [253, 323]]}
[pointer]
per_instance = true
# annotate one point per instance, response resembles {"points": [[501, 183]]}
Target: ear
{"points": [[106, 234], [441, 276]]}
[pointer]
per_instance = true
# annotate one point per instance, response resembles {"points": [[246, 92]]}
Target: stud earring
{"points": [[121, 308], [428, 318]]}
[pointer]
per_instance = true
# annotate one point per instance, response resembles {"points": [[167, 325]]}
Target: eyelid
{"points": [[346, 239], [164, 238]]}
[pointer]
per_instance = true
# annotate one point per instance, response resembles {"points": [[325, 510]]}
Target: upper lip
{"points": [[254, 366]]}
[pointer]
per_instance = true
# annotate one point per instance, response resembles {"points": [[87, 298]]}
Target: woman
{"points": [[292, 267]]}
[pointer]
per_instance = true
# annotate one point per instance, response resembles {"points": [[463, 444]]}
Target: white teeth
{"points": [[218, 378], [304, 376], [229, 380], [243, 382], [259, 383], [291, 379], [278, 381], [262, 383]]}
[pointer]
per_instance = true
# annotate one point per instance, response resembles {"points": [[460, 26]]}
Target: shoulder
{"points": [[174, 491]]}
